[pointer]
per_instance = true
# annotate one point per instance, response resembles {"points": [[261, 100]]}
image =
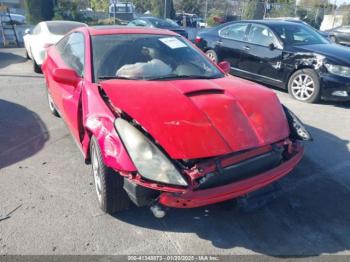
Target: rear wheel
{"points": [[211, 54], [108, 183], [304, 85], [52, 105]]}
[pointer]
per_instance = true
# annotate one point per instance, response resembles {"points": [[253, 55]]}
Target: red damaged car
{"points": [[164, 126]]}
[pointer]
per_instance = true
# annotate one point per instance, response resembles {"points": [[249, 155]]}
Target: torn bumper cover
{"points": [[195, 198]]}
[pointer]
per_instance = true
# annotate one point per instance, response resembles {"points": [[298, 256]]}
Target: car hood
{"points": [[201, 118], [333, 52]]}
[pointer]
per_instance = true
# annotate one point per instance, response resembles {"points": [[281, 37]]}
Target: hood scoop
{"points": [[205, 92]]}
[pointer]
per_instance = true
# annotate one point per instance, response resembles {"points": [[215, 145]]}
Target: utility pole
{"points": [[206, 10], [334, 9], [165, 9]]}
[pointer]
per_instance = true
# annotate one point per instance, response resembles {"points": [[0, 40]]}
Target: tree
{"points": [[99, 5], [39, 10], [68, 10], [189, 6], [142, 6], [158, 8]]}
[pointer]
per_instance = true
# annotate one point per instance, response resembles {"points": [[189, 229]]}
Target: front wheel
{"points": [[304, 85], [108, 183]]}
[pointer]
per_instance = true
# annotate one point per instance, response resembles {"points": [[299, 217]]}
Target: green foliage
{"points": [[142, 6], [189, 6], [158, 8], [39, 10], [99, 5], [69, 10]]}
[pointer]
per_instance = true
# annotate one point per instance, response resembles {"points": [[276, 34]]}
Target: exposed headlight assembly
{"points": [[149, 160], [338, 70], [297, 128]]}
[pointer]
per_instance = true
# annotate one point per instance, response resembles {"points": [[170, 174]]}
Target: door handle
{"points": [[219, 42], [246, 47]]}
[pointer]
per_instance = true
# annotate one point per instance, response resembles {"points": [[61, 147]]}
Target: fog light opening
{"points": [[340, 93]]}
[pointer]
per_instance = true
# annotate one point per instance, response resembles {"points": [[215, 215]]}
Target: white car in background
{"points": [[42, 36]]}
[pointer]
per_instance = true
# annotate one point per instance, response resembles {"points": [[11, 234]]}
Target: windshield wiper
{"points": [[114, 77], [173, 76]]}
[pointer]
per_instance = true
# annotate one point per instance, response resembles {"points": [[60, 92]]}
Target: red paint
{"points": [[199, 198], [243, 116], [188, 118]]}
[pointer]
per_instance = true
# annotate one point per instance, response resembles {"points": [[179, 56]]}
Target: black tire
{"points": [[309, 90], [27, 55], [36, 67], [211, 54], [52, 106], [113, 197]]}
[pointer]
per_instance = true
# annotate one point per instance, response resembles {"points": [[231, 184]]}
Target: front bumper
{"points": [[331, 84], [190, 199]]}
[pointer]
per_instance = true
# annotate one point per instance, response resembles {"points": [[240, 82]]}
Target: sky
{"points": [[339, 2]]}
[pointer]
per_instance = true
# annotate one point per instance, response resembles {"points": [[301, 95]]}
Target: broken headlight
{"points": [[149, 160], [338, 70], [297, 128]]}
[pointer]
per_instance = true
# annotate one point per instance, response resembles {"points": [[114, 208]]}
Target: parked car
{"points": [[17, 19], [154, 22], [340, 35], [283, 54], [163, 125], [43, 35]]}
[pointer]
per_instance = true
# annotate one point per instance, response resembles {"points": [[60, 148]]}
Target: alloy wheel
{"points": [[211, 56], [51, 105], [96, 172], [303, 87]]}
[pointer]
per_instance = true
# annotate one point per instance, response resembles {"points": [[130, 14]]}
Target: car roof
{"points": [[63, 22], [266, 22], [114, 30]]}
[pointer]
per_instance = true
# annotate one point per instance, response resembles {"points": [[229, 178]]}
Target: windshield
{"points": [[298, 34], [62, 28], [148, 57]]}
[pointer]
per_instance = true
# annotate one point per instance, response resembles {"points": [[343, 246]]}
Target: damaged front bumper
{"points": [[190, 199], [196, 196]]}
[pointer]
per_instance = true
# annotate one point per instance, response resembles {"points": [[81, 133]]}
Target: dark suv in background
{"points": [[283, 54]]}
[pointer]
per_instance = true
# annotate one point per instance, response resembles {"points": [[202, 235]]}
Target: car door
{"points": [[262, 58], [231, 43], [67, 97]]}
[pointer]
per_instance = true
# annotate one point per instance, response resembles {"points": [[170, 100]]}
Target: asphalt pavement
{"points": [[44, 181]]}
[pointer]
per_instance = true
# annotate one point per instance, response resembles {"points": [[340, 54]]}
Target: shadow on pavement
{"points": [[7, 58], [310, 216], [22, 133]]}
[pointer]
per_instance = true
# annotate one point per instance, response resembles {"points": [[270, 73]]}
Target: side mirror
{"points": [[27, 31], [66, 76], [272, 46], [225, 66]]}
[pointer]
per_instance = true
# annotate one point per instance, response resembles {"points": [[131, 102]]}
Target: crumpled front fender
{"points": [[98, 121]]}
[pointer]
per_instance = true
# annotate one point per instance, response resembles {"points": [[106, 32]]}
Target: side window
{"points": [[61, 44], [235, 32], [262, 35], [74, 52], [36, 30]]}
